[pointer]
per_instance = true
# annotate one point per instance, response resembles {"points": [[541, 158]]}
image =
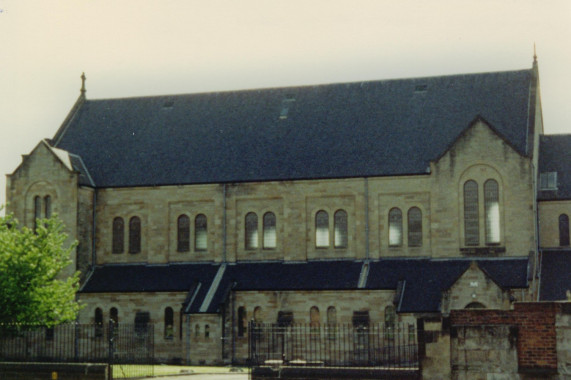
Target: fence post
{"points": [[110, 342]]}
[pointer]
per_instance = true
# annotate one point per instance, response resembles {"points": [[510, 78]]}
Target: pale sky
{"points": [[139, 48]]}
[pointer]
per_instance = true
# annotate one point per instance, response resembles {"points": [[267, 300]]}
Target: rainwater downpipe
{"points": [[367, 218], [94, 222], [224, 223]]}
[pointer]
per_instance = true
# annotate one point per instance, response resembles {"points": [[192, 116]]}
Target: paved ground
{"points": [[224, 376]]}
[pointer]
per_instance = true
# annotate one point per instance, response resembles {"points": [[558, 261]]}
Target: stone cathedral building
{"points": [[372, 201]]}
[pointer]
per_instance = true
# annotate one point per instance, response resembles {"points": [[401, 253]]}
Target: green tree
{"points": [[31, 292]]}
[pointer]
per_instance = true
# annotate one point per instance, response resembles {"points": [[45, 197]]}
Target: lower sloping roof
{"points": [[426, 279], [422, 280], [555, 275]]}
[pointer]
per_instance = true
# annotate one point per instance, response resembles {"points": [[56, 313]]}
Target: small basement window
{"points": [[168, 105], [421, 88]]}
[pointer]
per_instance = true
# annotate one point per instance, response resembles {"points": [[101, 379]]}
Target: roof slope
{"points": [[426, 279], [555, 156], [372, 128], [555, 275]]}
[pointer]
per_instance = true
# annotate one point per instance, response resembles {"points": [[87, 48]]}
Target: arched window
{"points": [[118, 235], [340, 229], [414, 227], [258, 314], [331, 315], [169, 323], [48, 206], [114, 315], [321, 229], [331, 322], [475, 305], [200, 233], [241, 321], [98, 318], [314, 318], [492, 208], [395, 227], [207, 331], [251, 230], [269, 230], [196, 330], [183, 233], [37, 210], [471, 214], [563, 230], [390, 318], [135, 235]]}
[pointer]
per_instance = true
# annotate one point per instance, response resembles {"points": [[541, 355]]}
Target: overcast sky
{"points": [[137, 48]]}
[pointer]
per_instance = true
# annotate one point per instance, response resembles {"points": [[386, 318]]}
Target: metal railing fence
{"points": [[340, 345]]}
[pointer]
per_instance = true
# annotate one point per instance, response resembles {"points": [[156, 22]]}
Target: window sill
{"points": [[483, 251]]}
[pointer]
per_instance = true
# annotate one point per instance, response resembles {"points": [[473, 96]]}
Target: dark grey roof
{"points": [[424, 279], [555, 275], [555, 156], [390, 127], [135, 278]]}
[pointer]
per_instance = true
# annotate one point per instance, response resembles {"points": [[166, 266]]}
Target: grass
{"points": [[127, 371]]}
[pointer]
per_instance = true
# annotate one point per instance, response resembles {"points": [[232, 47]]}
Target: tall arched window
{"points": [[118, 235], [258, 318], [269, 230], [207, 331], [200, 233], [395, 227], [492, 208], [390, 318], [314, 318], [196, 330], [331, 321], [563, 230], [183, 233], [241, 321], [322, 229], [135, 235], [414, 227], [114, 315], [340, 229], [98, 318], [48, 206], [169, 323], [471, 214], [251, 230], [37, 210]]}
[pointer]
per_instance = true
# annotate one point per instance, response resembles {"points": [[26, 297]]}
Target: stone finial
{"points": [[534, 55], [83, 84]]}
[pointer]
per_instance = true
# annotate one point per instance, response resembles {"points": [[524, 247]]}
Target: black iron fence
{"points": [[374, 345], [128, 347]]}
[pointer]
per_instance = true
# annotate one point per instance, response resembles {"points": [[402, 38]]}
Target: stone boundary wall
{"points": [[55, 371], [536, 333]]}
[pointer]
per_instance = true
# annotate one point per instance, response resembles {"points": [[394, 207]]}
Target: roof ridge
{"points": [[305, 86]]}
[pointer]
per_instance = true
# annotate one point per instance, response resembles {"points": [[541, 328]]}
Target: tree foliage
{"points": [[31, 288]]}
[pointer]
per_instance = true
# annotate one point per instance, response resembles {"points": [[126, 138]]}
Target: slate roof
{"points": [[555, 156], [135, 278], [426, 279], [555, 275], [376, 128]]}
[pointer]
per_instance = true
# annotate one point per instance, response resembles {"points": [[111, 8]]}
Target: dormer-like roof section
{"points": [[555, 157], [376, 128]]}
